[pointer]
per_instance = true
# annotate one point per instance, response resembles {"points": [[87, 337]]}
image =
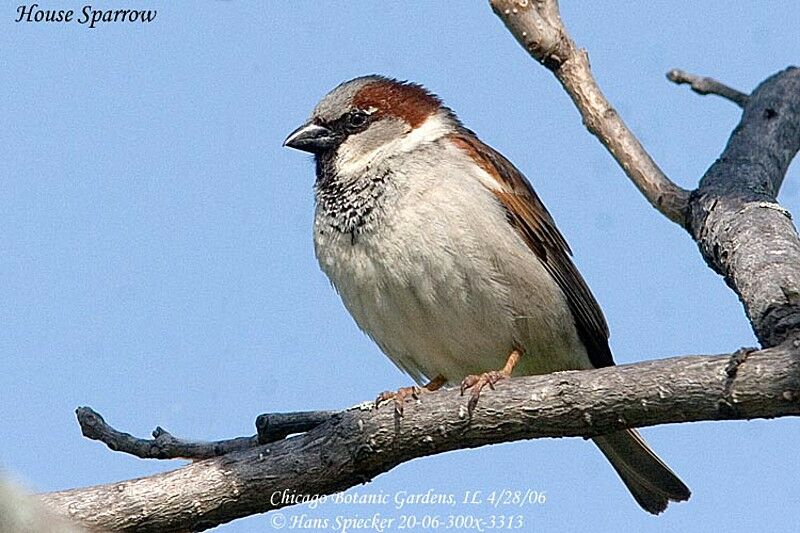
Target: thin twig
{"points": [[163, 445], [538, 27], [706, 85]]}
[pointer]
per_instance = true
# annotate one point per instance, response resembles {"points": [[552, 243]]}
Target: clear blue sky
{"points": [[156, 260]]}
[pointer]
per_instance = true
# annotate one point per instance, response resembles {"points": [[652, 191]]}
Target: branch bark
{"points": [[356, 445], [741, 230]]}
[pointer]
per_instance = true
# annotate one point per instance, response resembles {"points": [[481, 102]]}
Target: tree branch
{"points": [[163, 445], [704, 85], [741, 230], [356, 445], [538, 27]]}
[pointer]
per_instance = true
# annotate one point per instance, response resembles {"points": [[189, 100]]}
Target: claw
{"points": [[468, 382], [398, 405], [382, 397], [400, 395], [477, 382]]}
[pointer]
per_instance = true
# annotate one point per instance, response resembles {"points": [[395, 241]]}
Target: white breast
{"points": [[442, 282]]}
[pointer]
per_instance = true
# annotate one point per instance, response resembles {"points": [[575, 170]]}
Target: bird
{"points": [[445, 256]]}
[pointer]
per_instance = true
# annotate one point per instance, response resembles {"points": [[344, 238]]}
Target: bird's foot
{"points": [[399, 396], [477, 382], [404, 393]]}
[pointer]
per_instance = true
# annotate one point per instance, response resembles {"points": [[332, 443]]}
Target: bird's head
{"points": [[369, 118]]}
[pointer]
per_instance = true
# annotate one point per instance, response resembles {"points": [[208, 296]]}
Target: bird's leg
{"points": [[402, 394], [478, 382]]}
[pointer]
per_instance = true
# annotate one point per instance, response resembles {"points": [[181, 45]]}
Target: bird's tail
{"points": [[651, 482]]}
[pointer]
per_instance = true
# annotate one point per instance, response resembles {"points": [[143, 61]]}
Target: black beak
{"points": [[311, 138]]}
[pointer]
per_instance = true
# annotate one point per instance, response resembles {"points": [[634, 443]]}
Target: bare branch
{"points": [[163, 445], [705, 85], [538, 27], [742, 232], [356, 445]]}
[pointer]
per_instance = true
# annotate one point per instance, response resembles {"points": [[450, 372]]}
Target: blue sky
{"points": [[157, 265]]}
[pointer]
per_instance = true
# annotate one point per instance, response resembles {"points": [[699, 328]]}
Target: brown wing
{"points": [[530, 217]]}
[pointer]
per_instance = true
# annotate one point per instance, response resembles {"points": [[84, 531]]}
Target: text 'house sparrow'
{"points": [[445, 256]]}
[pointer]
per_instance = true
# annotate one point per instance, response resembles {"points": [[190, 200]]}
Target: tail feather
{"points": [[650, 481]]}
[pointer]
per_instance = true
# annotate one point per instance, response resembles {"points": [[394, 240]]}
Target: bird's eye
{"points": [[356, 119]]}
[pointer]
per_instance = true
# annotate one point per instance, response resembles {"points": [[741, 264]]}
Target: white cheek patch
{"points": [[434, 127], [355, 154]]}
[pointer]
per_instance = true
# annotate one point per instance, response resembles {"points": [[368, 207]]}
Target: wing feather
{"points": [[527, 213]]}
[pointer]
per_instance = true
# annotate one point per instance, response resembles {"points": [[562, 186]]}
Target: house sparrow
{"points": [[446, 257]]}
